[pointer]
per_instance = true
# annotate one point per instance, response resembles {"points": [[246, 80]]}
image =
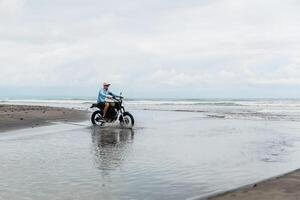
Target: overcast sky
{"points": [[150, 48]]}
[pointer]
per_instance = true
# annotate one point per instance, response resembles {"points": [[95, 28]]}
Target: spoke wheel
{"points": [[97, 118], [128, 120]]}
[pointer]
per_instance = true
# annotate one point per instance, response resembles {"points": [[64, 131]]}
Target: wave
{"points": [[261, 110], [187, 103], [204, 104], [216, 116], [269, 115], [179, 110], [174, 102]]}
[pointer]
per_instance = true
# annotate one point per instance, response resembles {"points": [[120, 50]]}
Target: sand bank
{"points": [[22, 116], [285, 187]]}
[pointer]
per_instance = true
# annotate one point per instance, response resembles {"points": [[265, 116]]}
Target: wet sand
{"points": [[23, 116], [285, 187]]}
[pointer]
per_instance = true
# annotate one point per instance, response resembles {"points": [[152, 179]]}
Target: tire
{"points": [[94, 117], [128, 119]]}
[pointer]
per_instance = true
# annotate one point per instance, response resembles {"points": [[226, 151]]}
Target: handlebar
{"points": [[118, 97]]}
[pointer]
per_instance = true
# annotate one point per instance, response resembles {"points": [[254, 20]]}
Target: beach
{"points": [[285, 187], [177, 150], [24, 116]]}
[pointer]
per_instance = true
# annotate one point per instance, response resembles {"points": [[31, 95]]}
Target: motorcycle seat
{"points": [[97, 105]]}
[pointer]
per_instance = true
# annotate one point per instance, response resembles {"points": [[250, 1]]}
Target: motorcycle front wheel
{"points": [[128, 120], [96, 118]]}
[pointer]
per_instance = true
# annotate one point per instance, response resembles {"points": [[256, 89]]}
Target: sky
{"points": [[150, 49]]}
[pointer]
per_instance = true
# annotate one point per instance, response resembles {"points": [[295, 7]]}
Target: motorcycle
{"points": [[114, 113]]}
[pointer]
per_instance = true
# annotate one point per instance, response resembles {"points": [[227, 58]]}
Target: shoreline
{"points": [[13, 117], [282, 187]]}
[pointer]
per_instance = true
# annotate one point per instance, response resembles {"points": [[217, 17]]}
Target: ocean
{"points": [[250, 109]]}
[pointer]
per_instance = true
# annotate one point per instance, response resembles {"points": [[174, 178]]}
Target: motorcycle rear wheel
{"points": [[96, 118]]}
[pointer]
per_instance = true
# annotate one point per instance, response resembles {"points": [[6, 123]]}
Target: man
{"points": [[104, 96]]}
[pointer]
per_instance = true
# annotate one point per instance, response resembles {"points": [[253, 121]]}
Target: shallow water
{"points": [[169, 155]]}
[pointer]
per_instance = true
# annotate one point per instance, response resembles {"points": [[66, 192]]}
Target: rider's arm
{"points": [[112, 94]]}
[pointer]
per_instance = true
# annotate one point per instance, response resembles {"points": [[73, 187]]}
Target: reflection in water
{"points": [[110, 146]]}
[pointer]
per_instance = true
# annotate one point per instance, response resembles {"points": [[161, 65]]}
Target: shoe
{"points": [[100, 119], [103, 119]]}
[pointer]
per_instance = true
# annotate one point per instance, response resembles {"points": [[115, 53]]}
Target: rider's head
{"points": [[106, 85]]}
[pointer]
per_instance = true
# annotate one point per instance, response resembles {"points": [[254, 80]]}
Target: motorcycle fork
{"points": [[121, 119]]}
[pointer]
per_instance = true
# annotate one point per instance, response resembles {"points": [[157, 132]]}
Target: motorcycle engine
{"points": [[112, 114]]}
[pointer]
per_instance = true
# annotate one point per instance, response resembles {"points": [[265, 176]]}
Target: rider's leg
{"points": [[105, 109]]}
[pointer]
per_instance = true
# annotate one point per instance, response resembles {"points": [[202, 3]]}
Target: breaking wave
{"points": [[272, 109]]}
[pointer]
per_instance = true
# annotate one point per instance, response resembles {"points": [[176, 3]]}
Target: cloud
{"points": [[199, 44], [11, 7]]}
